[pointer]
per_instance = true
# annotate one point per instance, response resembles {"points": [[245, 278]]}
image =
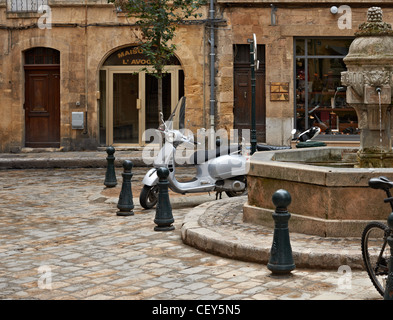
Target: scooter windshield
{"points": [[177, 118]]}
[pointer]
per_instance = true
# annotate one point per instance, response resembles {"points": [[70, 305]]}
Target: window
{"points": [[25, 5], [42, 55], [319, 63]]}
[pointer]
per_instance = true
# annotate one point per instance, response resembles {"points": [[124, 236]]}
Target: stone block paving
{"points": [[61, 239]]}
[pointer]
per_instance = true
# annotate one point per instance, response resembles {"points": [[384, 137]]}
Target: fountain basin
{"points": [[330, 197]]}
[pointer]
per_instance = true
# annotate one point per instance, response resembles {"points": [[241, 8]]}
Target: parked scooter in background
{"points": [[222, 169], [307, 135], [305, 139]]}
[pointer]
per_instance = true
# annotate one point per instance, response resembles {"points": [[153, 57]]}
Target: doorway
{"points": [[42, 98], [129, 97], [242, 91], [125, 124], [129, 103]]}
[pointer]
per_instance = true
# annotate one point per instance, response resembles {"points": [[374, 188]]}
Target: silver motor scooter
{"points": [[222, 169]]}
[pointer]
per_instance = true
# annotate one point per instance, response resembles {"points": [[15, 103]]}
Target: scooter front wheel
{"points": [[236, 193], [149, 196]]}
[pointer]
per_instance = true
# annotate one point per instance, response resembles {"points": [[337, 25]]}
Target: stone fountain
{"points": [[327, 200], [369, 81]]}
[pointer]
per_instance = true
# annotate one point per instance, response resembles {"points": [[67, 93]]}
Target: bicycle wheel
{"points": [[376, 253]]}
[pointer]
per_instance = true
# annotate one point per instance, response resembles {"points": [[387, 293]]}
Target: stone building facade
{"points": [[70, 76], [52, 74]]}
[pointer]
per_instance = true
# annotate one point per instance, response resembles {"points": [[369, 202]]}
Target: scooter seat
{"points": [[201, 156], [382, 183]]}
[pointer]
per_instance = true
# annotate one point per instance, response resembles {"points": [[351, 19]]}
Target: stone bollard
{"points": [[281, 260], [125, 203], [389, 283], [163, 218], [110, 176]]}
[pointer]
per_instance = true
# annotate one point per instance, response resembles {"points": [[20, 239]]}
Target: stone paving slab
{"points": [[61, 240]]}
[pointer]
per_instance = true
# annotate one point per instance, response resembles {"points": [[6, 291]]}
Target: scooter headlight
{"points": [[171, 136]]}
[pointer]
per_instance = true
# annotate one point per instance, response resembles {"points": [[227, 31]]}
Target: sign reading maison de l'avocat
{"points": [[131, 56], [128, 56]]}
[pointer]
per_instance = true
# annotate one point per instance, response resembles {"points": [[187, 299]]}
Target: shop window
{"points": [[25, 5], [319, 63]]}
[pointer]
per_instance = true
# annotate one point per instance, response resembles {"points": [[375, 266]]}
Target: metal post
{"points": [[110, 176], [273, 17], [253, 80], [163, 218], [281, 260], [212, 64], [389, 283], [126, 204]]}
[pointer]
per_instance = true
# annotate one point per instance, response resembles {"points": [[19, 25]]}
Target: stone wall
{"points": [[83, 51], [291, 21]]}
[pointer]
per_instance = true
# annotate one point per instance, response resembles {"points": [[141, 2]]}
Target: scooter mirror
{"points": [[293, 131], [162, 117]]}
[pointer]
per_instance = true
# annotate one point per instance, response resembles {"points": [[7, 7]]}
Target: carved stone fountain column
{"points": [[370, 80]]}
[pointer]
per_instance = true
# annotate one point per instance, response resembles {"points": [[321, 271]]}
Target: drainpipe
{"points": [[273, 17], [212, 65], [85, 131]]}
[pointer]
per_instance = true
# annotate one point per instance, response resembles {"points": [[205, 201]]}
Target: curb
{"points": [[245, 246], [67, 162]]}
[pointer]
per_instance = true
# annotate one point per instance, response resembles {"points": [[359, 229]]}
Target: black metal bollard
{"points": [[389, 283], [110, 176], [125, 204], [164, 217], [281, 260]]}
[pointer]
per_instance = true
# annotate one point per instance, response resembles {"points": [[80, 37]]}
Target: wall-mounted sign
{"points": [[127, 56], [132, 56], [279, 91]]}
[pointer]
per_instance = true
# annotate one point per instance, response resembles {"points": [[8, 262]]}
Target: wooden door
{"points": [[42, 106], [242, 93]]}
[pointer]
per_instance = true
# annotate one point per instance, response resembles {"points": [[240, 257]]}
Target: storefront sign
{"points": [[131, 56], [279, 91]]}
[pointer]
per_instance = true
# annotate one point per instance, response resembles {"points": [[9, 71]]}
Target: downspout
{"points": [[212, 65], [204, 77], [86, 70]]}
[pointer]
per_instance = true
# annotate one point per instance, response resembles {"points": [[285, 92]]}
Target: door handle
{"points": [[245, 94], [138, 104]]}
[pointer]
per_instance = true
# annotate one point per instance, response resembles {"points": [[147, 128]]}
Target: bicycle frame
{"points": [[384, 269], [377, 264], [385, 236]]}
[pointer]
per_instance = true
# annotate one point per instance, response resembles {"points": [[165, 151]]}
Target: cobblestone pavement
{"points": [[61, 239]]}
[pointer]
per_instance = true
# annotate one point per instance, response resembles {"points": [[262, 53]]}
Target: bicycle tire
{"points": [[374, 239]]}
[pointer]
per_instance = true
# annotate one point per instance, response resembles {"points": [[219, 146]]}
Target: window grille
{"points": [[25, 5], [42, 55]]}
